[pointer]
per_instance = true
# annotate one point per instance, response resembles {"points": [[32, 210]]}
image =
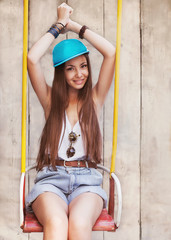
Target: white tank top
{"points": [[64, 142]]}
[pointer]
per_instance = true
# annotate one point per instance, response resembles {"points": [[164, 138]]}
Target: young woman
{"points": [[67, 197]]}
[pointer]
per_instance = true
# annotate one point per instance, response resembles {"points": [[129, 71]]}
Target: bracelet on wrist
{"points": [[54, 32], [61, 24], [58, 29], [82, 31]]}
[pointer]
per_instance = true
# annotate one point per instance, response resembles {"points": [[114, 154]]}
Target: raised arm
{"points": [[35, 54], [107, 68], [36, 75]]}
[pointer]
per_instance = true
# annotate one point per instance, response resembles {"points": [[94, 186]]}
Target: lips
{"points": [[79, 82]]}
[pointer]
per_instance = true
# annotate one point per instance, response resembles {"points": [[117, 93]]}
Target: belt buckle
{"points": [[78, 163], [66, 166]]}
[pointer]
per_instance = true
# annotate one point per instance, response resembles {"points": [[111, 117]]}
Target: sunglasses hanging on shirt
{"points": [[71, 150]]}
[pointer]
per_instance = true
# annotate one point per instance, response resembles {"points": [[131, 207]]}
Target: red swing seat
{"points": [[105, 222]]}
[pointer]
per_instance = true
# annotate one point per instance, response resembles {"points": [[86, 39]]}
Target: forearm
{"points": [[40, 47], [100, 43]]}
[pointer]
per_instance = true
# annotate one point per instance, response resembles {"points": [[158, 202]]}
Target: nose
{"points": [[78, 72]]}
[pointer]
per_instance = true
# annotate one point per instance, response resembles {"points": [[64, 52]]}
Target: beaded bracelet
{"points": [[82, 31]]}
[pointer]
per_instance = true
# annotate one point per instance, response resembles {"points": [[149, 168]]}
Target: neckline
{"points": [[71, 127]]}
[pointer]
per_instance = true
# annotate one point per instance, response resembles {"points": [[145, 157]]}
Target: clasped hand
{"points": [[64, 12]]}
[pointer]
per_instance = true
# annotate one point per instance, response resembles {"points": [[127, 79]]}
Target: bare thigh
{"points": [[49, 206], [86, 207]]}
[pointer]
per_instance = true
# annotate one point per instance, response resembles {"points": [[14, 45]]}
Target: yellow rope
{"points": [[24, 87], [116, 91]]}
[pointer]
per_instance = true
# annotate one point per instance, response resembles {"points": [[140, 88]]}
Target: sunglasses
{"points": [[71, 150]]}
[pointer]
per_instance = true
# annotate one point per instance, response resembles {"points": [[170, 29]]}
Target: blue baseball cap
{"points": [[66, 50]]}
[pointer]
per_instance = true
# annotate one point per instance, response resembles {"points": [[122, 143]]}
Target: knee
{"points": [[79, 224], [79, 228], [55, 228], [55, 223]]}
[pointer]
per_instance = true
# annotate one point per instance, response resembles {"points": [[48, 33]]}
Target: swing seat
{"points": [[105, 222]]}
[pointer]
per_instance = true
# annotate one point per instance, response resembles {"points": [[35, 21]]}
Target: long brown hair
{"points": [[87, 117]]}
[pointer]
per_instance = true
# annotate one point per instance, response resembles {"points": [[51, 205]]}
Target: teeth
{"points": [[78, 81]]}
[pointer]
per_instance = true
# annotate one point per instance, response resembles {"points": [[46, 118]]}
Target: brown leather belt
{"points": [[76, 163]]}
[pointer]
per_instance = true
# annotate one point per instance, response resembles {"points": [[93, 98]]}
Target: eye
{"points": [[69, 68], [84, 66]]}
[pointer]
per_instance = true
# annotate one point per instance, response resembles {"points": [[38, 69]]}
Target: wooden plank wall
{"points": [[127, 160], [144, 141], [156, 120]]}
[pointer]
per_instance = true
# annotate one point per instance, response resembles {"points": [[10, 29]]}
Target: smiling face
{"points": [[76, 72]]}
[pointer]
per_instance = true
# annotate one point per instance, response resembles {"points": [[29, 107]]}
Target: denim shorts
{"points": [[67, 182]]}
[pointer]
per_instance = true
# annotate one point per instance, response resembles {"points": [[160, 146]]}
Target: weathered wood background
{"points": [[143, 162]]}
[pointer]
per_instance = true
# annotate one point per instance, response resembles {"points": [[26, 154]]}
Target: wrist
{"points": [[62, 21], [82, 31], [56, 29], [74, 27]]}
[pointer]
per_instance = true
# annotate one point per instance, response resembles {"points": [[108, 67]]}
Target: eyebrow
{"points": [[70, 65]]}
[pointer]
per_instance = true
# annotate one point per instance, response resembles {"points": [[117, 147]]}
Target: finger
{"points": [[62, 4], [67, 6], [64, 7], [71, 11]]}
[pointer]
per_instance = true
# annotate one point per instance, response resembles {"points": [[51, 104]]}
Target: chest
{"points": [[72, 115]]}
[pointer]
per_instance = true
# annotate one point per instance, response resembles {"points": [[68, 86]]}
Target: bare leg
{"points": [[83, 213], [52, 213]]}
